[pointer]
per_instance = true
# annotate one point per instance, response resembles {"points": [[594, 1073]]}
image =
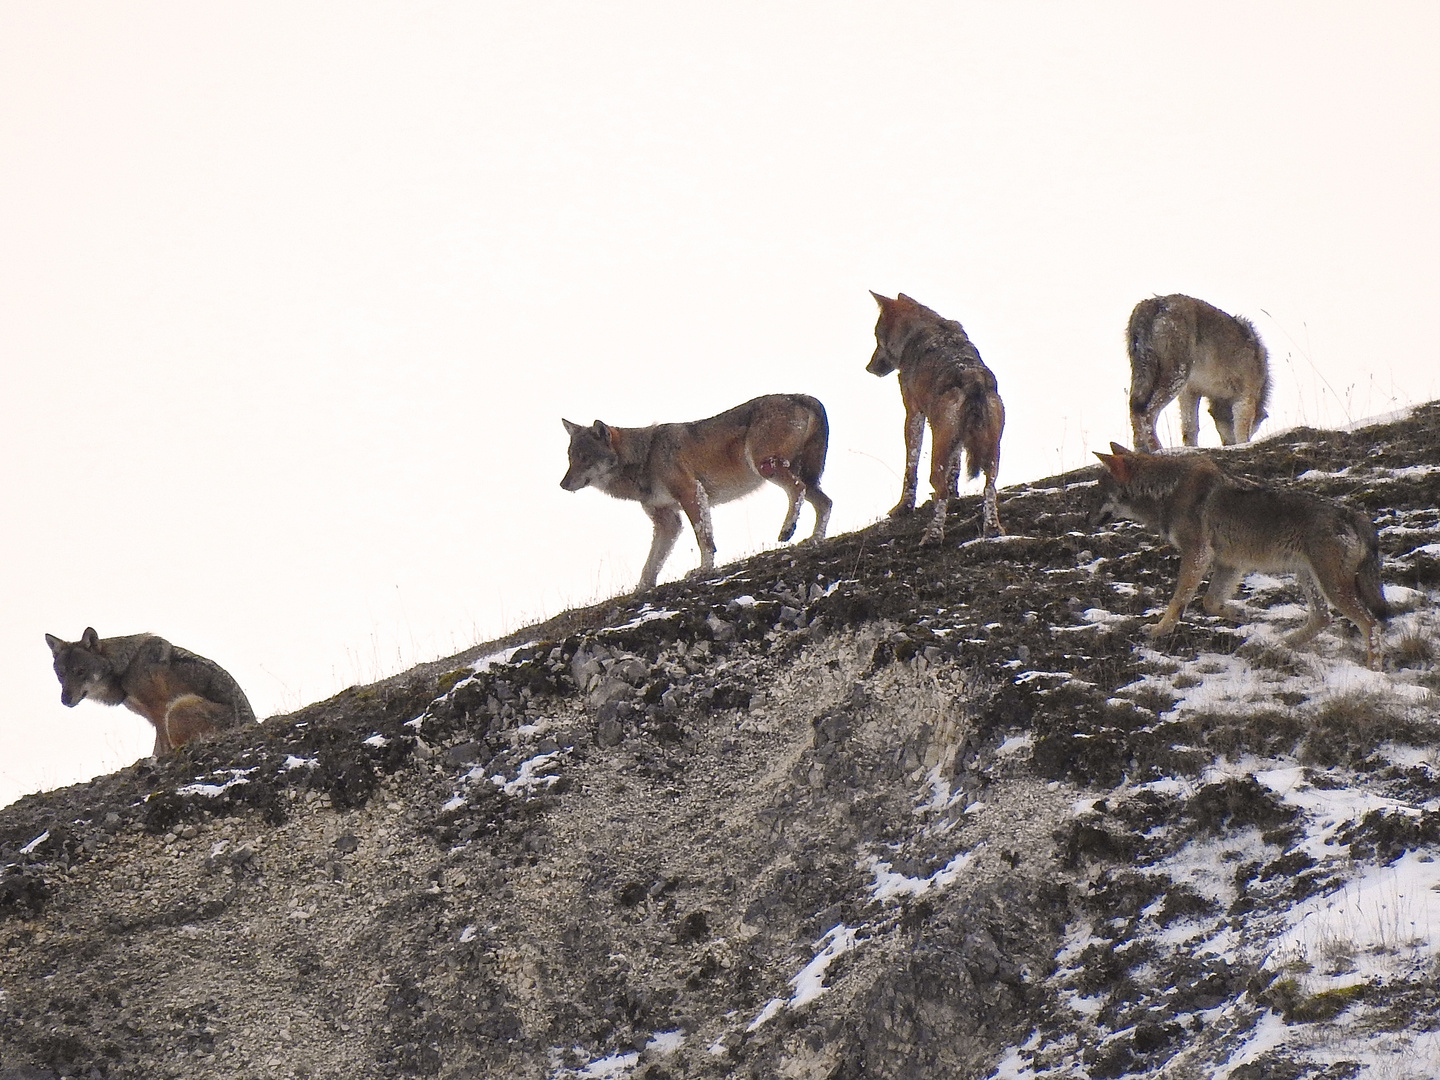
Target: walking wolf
{"points": [[667, 468], [1237, 526], [1180, 346]]}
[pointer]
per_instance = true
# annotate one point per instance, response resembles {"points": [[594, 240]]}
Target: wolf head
{"points": [[1121, 494], [1143, 487], [592, 455], [899, 319], [83, 671]]}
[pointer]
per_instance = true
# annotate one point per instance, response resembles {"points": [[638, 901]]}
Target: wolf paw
{"points": [[1157, 630], [785, 534], [902, 509]]}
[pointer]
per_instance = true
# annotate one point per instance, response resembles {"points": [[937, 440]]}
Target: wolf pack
{"points": [[1223, 525]]}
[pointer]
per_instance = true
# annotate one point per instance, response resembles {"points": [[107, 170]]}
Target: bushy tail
{"points": [[982, 419], [1367, 581], [811, 462], [1139, 342], [1263, 356]]}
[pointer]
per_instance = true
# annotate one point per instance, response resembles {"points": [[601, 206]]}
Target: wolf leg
{"points": [[697, 509], [1319, 610], [1193, 565], [823, 505], [1189, 417], [778, 472], [914, 439], [990, 509], [1222, 587], [1142, 425], [666, 520], [944, 465]]}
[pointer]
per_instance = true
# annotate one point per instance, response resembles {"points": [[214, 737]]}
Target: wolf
{"points": [[943, 380], [182, 695], [782, 438], [1180, 346], [1236, 526]]}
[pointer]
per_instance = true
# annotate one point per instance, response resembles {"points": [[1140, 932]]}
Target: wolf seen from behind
{"points": [[1186, 348], [1235, 526], [942, 380], [183, 695], [668, 468]]}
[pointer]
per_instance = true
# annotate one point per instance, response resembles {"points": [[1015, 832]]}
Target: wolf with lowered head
{"points": [[1186, 348], [182, 695], [942, 380], [668, 468], [1235, 526]]}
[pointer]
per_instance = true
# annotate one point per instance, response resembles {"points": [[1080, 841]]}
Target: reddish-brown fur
{"points": [[181, 694], [942, 380], [670, 468]]}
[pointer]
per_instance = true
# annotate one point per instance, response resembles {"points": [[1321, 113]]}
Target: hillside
{"points": [[842, 811]]}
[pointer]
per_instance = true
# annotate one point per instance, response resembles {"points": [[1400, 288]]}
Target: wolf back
{"points": [[181, 693]]}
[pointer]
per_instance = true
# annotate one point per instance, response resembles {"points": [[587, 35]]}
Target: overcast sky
{"points": [[293, 296]]}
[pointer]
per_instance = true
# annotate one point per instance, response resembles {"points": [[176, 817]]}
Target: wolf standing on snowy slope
{"points": [[1186, 348], [183, 695], [667, 468], [943, 380], [1237, 526]]}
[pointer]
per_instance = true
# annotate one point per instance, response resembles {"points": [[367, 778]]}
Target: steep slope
{"points": [[851, 810]]}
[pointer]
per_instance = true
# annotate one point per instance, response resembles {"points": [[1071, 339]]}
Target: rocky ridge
{"points": [[857, 809]]}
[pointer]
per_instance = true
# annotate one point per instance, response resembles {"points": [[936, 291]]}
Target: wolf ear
{"points": [[602, 430], [89, 639], [883, 301], [1116, 448], [570, 428], [1119, 467], [55, 644]]}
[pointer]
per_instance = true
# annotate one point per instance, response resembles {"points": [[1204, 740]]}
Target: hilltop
{"points": [[857, 809]]}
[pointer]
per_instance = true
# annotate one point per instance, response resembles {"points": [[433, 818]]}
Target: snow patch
{"points": [[809, 984], [889, 884]]}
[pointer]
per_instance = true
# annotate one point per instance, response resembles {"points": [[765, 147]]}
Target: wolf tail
{"points": [[1367, 579], [982, 421], [1262, 357], [1140, 343], [811, 461]]}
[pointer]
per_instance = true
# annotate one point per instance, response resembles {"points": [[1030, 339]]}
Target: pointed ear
{"points": [[602, 430], [55, 644], [1119, 467], [89, 639], [570, 428], [1116, 448], [883, 301]]}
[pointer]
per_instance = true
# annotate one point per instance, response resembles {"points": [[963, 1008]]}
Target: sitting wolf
{"points": [[1236, 526], [667, 468], [181, 694], [1180, 346]]}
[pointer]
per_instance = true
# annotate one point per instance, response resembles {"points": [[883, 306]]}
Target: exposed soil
{"points": [[925, 776]]}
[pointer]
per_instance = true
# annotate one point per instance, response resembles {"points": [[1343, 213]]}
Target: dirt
{"points": [[631, 835]]}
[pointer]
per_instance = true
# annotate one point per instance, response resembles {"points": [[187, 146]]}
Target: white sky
{"points": [[293, 296]]}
